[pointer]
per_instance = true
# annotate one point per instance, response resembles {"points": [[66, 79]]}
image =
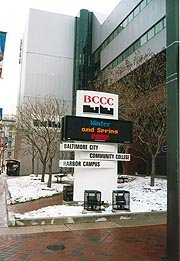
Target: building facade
{"points": [[7, 140], [62, 54], [47, 56]]}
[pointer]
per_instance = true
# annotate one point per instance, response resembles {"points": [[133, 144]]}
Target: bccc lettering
{"points": [[98, 100]]}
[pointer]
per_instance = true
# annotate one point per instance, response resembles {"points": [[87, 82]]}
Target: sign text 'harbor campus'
{"points": [[85, 164]]}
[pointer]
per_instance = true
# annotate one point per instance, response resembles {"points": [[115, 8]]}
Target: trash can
{"points": [[92, 200], [121, 200], [13, 167], [68, 193]]}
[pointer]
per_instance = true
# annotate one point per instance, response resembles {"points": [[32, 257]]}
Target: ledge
{"points": [[154, 217]]}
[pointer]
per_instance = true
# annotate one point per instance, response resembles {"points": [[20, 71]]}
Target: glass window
{"points": [[103, 46], [164, 22], [136, 11], [130, 17], [126, 53], [131, 49], [136, 45], [115, 33], [148, 1], [9, 154], [9, 144], [10, 134], [110, 38], [125, 22], [143, 39], [114, 63], [119, 28], [119, 59], [142, 4], [105, 43], [158, 27], [150, 33]]}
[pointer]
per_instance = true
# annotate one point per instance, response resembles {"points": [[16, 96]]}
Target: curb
{"points": [[128, 218]]}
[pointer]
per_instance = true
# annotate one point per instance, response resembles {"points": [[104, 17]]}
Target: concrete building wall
{"points": [[47, 67], [48, 52], [96, 32], [139, 25], [117, 16]]}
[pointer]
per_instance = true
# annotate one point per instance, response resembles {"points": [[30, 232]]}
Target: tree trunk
{"points": [[32, 171], [147, 168], [124, 169], [43, 171], [50, 174], [152, 170]]}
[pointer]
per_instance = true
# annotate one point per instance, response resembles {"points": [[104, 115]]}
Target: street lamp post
{"points": [[173, 120]]}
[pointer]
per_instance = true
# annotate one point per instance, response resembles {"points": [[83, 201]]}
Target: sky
{"points": [[143, 198], [14, 14]]}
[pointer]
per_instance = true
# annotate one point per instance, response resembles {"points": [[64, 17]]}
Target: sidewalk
{"points": [[145, 243], [3, 208]]}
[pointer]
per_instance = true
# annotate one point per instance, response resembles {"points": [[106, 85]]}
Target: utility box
{"points": [[13, 167], [68, 193], [92, 200], [121, 200]]}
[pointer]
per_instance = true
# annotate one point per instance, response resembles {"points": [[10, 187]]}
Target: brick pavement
{"points": [[146, 243]]}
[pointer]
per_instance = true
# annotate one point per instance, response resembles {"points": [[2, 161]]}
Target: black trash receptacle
{"points": [[92, 200], [121, 200], [68, 193], [13, 167]]}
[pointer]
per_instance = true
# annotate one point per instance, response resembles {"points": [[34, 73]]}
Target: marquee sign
{"points": [[97, 104], [93, 129]]}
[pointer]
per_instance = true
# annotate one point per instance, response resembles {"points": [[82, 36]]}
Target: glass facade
{"points": [[82, 52], [137, 44], [121, 26], [86, 64]]}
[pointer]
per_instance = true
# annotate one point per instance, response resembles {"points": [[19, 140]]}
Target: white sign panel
{"points": [[97, 104], [105, 156], [86, 147], [86, 164]]}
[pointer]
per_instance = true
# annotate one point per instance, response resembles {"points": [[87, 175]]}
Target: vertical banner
{"points": [[1, 111], [2, 47]]}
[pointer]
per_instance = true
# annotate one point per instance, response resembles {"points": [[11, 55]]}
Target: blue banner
{"points": [[2, 47], [1, 110]]}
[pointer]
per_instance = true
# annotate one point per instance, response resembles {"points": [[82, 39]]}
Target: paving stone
{"points": [[146, 243]]}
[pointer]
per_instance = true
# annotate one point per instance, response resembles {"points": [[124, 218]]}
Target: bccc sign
{"points": [[97, 104], [98, 100]]}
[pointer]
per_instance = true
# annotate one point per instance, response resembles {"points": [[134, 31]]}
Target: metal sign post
{"points": [[173, 204]]}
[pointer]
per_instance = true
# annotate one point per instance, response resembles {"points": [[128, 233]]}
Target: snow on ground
{"points": [[27, 188], [143, 198]]}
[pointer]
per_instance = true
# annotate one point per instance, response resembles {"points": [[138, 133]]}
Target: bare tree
{"points": [[39, 124], [140, 84], [30, 149]]}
